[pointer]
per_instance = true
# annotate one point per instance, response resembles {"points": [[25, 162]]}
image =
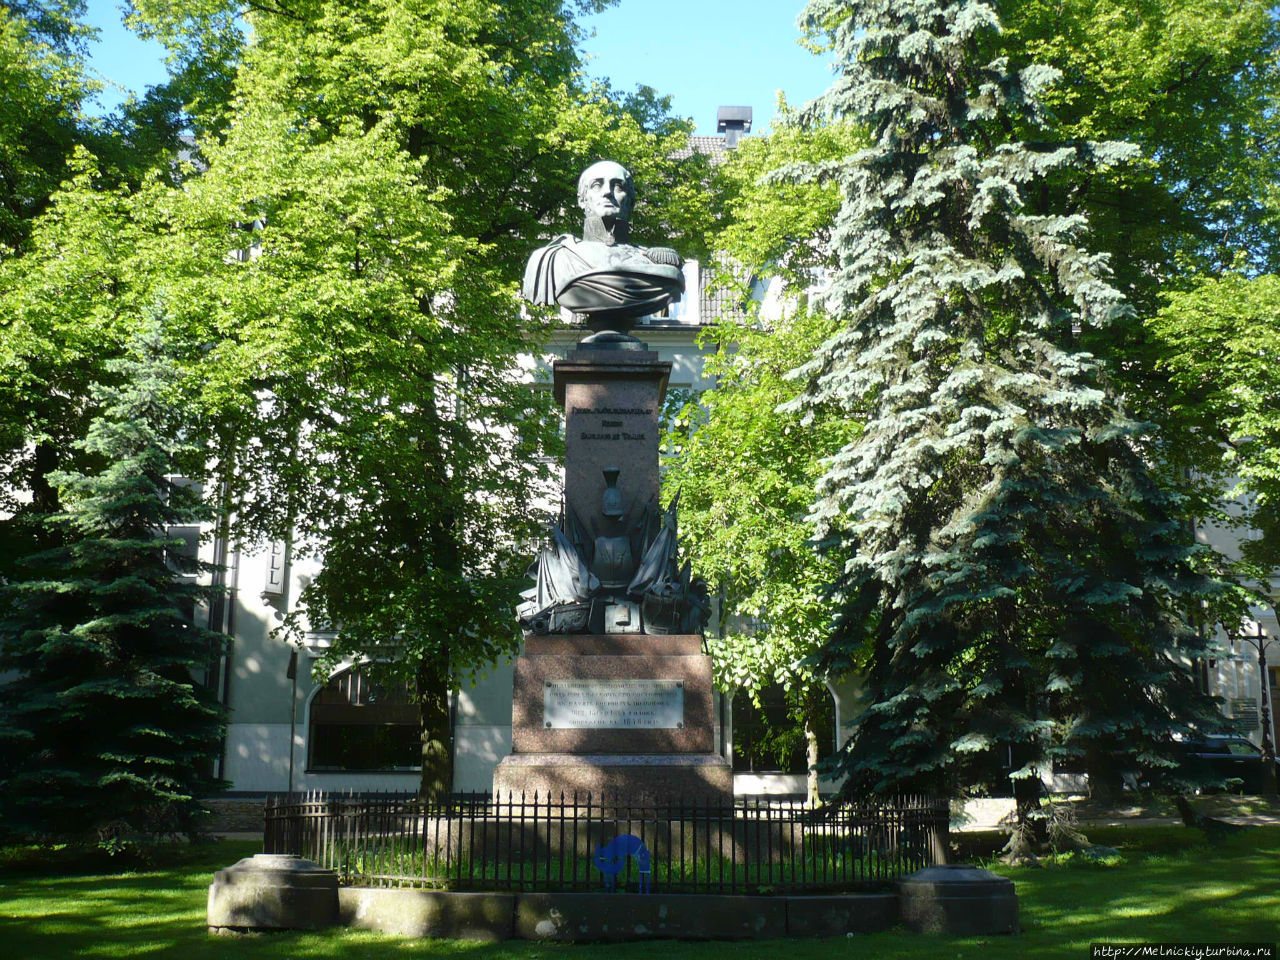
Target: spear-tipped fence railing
{"points": [[539, 843]]}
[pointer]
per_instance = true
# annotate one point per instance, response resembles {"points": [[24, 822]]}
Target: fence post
{"points": [[269, 826], [939, 839]]}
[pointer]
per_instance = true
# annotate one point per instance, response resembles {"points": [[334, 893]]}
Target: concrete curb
{"points": [[437, 914], [960, 900], [266, 893], [612, 917]]}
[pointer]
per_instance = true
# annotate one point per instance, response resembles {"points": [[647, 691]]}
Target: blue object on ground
{"points": [[612, 857]]}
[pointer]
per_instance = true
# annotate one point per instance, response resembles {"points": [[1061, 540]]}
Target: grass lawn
{"points": [[1168, 887]]}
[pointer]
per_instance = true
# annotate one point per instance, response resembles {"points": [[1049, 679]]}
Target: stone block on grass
{"points": [[958, 899], [272, 891]]}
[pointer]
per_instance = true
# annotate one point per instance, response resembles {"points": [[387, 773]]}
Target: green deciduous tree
{"points": [[350, 259], [1192, 83], [341, 271], [66, 309], [774, 227], [43, 83], [746, 482], [1019, 581], [47, 91], [1220, 345], [103, 731], [71, 229], [744, 471]]}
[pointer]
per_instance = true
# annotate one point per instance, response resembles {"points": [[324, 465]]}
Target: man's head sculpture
{"points": [[606, 189], [602, 277]]}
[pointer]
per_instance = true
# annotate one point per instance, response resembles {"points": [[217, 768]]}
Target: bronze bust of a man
{"points": [[603, 276]]}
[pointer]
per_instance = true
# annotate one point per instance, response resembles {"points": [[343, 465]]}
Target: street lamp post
{"points": [[1261, 643]]}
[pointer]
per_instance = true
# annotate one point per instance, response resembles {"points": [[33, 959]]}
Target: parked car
{"points": [[1225, 758]]}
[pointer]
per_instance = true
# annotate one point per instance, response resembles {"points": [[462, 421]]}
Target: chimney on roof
{"points": [[733, 122]]}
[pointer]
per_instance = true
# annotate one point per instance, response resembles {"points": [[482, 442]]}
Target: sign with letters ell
{"points": [[613, 704]]}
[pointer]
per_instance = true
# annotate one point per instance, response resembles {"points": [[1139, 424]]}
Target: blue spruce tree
{"points": [[1022, 587], [104, 732]]}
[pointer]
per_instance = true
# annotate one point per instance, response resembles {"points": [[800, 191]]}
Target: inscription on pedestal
{"points": [[608, 423], [613, 704]]}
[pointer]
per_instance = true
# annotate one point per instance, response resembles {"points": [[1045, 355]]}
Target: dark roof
{"points": [[723, 300], [714, 147]]}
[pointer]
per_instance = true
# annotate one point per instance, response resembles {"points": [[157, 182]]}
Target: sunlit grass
{"points": [[1168, 886]]}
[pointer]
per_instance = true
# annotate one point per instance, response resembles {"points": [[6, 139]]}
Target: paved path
{"points": [[1257, 819], [1247, 812]]}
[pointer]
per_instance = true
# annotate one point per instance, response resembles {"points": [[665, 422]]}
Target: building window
{"points": [[770, 738], [358, 724], [672, 311], [182, 558]]}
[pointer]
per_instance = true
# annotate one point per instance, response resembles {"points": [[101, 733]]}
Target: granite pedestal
{"points": [[669, 762], [612, 399], [626, 708]]}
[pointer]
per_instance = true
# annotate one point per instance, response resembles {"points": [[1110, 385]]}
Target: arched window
{"points": [[770, 738], [357, 724]]}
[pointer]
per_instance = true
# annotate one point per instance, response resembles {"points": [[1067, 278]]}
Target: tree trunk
{"points": [[1028, 831], [1021, 847], [442, 551], [432, 683], [44, 496], [811, 760], [1105, 781], [1026, 798]]}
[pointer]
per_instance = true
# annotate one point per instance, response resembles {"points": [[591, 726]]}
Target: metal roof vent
{"points": [[733, 122]]}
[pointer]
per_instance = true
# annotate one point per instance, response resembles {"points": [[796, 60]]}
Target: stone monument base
{"points": [[630, 717], [959, 900], [271, 891], [666, 778]]}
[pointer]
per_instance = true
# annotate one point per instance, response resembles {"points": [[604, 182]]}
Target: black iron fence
{"points": [[523, 843]]}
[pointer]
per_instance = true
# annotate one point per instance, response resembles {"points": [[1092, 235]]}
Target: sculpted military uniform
{"points": [[608, 283], [603, 277]]}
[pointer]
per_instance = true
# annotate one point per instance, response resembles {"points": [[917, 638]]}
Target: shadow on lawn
{"points": [[139, 913], [161, 913], [1221, 893], [1226, 893]]}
